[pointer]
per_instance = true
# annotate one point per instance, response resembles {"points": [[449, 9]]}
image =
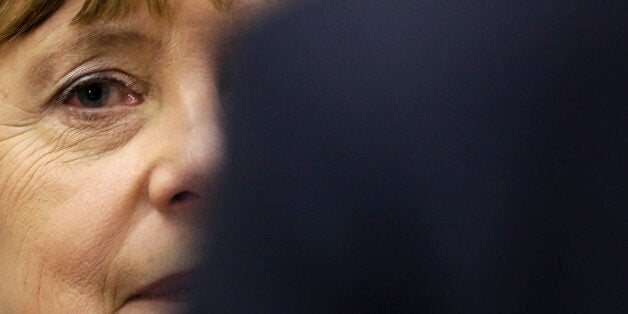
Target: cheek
{"points": [[63, 220]]}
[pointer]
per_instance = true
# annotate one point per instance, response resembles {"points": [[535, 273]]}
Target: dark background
{"points": [[426, 157]]}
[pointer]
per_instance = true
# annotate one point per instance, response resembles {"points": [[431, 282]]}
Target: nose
{"points": [[187, 143]]}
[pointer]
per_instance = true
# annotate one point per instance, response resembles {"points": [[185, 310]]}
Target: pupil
{"points": [[93, 95], [94, 92]]}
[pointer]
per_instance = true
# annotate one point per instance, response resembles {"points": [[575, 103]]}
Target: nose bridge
{"points": [[187, 137], [194, 109]]}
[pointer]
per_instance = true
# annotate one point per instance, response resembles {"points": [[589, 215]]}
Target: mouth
{"points": [[169, 294], [177, 287]]}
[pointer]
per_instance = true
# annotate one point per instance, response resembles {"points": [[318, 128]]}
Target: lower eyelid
{"points": [[91, 115], [98, 131], [82, 118]]}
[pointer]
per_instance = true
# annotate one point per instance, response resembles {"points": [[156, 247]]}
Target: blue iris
{"points": [[93, 95]]}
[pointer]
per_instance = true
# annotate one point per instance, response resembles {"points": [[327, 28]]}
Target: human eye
{"points": [[102, 90], [104, 109]]}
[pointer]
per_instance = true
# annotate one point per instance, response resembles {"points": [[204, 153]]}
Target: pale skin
{"points": [[98, 201]]}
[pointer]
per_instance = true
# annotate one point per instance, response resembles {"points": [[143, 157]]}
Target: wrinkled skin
{"points": [[96, 203]]}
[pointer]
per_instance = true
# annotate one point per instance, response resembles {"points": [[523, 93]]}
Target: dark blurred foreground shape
{"points": [[426, 157]]}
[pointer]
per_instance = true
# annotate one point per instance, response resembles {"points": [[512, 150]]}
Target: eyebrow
{"points": [[90, 43]]}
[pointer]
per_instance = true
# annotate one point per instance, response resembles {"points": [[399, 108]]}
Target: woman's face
{"points": [[109, 142]]}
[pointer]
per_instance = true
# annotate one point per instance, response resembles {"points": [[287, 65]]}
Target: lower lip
{"points": [[168, 295]]}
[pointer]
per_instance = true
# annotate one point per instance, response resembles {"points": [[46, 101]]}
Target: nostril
{"points": [[182, 197]]}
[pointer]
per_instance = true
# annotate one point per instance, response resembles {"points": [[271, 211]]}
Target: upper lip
{"points": [[173, 287]]}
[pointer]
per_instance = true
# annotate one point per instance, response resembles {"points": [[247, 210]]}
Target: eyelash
{"points": [[116, 79]]}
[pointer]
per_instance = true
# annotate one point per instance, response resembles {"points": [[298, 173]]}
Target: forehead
{"points": [[19, 18], [136, 17]]}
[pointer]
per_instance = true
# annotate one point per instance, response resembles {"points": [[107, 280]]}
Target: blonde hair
{"points": [[18, 18]]}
